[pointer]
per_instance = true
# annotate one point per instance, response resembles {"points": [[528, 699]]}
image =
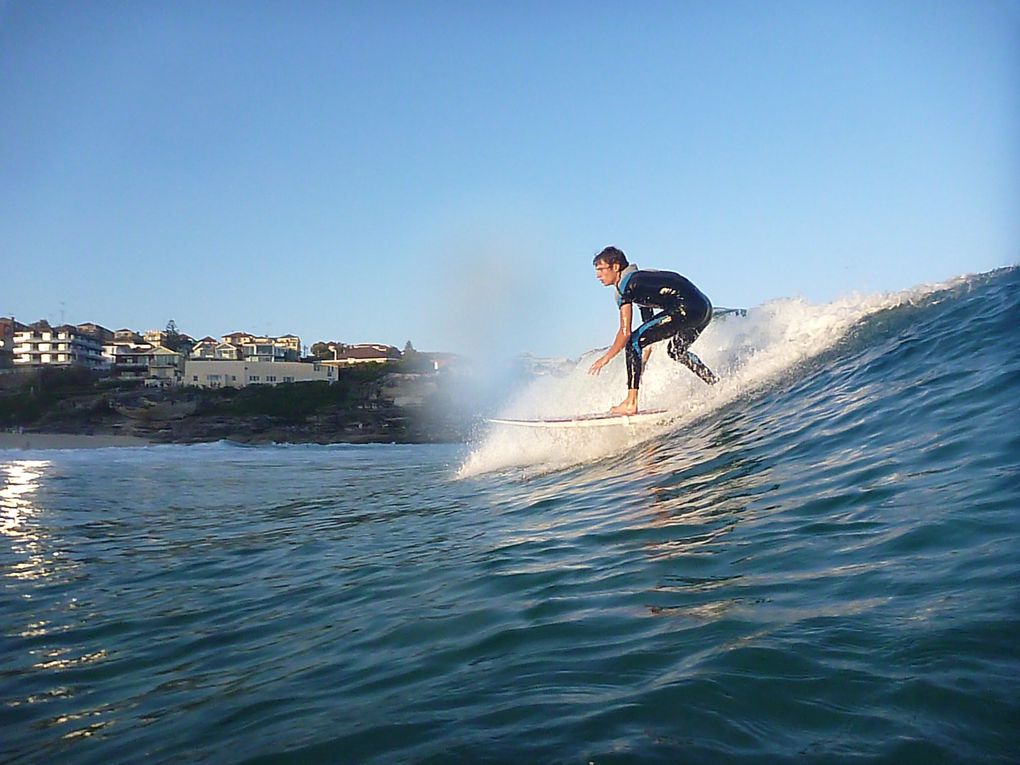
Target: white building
{"points": [[263, 348], [208, 348], [290, 342], [155, 336], [238, 374], [42, 345], [269, 351]]}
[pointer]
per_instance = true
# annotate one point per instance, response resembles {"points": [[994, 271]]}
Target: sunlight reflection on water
{"points": [[19, 519], [21, 481]]}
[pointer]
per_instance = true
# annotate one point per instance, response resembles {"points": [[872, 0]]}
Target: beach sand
{"points": [[65, 441]]}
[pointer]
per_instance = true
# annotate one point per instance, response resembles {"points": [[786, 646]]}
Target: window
{"points": [[271, 378], [288, 379], [254, 378]]}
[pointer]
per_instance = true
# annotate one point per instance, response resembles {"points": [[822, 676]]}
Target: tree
{"points": [[322, 350], [173, 337], [414, 361]]}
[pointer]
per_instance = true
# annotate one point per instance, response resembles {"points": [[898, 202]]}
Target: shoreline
{"points": [[30, 441]]}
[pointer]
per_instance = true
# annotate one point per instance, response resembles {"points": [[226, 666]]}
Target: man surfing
{"points": [[684, 314]]}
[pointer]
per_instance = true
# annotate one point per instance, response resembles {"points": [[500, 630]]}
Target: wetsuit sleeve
{"points": [[647, 313]]}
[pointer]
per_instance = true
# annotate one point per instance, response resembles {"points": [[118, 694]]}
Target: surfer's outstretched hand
{"points": [[595, 368]]}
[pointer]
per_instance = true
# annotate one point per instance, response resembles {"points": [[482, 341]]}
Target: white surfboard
{"points": [[646, 417]]}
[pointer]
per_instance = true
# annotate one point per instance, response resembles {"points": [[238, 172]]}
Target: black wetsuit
{"points": [[684, 313]]}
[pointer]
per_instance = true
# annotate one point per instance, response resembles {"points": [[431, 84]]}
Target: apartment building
{"points": [[42, 345], [8, 326]]}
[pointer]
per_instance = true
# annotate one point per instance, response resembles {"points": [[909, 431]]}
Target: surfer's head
{"points": [[608, 265]]}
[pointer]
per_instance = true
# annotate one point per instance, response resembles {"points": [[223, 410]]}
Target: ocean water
{"points": [[815, 562]]}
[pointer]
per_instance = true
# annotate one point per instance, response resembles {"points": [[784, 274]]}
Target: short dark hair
{"points": [[612, 256]]}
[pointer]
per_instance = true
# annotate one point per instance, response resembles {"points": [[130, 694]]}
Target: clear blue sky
{"points": [[444, 171]]}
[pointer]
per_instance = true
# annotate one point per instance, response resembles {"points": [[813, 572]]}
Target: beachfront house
{"points": [[155, 366], [209, 349], [238, 339], [165, 369], [290, 342], [267, 351], [362, 353], [126, 336], [97, 331], [127, 361], [263, 348]]}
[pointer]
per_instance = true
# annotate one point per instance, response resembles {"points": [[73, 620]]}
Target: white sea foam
{"points": [[746, 352]]}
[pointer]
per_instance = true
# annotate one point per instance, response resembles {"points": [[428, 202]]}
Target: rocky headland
{"points": [[364, 406]]}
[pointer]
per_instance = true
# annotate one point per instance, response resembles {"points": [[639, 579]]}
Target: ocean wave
{"points": [[774, 343]]}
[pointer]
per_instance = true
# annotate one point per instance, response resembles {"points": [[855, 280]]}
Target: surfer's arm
{"points": [[622, 335]]}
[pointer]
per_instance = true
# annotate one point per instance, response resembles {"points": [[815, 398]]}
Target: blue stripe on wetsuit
{"points": [[635, 337]]}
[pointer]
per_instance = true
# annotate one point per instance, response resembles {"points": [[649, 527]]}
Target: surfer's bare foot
{"points": [[628, 405], [625, 407]]}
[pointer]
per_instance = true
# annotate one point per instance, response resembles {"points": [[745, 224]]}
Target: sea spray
{"points": [[748, 352]]}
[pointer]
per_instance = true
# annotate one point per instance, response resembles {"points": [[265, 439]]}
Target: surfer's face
{"points": [[606, 273]]}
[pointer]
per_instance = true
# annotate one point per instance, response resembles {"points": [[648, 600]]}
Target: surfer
{"points": [[684, 313]]}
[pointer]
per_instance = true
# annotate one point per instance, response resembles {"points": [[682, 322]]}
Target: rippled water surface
{"points": [[821, 569]]}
